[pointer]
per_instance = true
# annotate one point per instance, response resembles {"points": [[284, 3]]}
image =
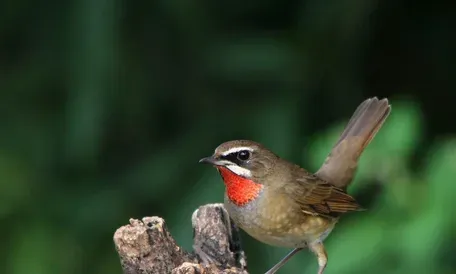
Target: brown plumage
{"points": [[340, 165], [282, 204], [318, 197]]}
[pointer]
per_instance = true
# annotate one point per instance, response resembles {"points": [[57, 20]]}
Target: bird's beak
{"points": [[212, 161]]}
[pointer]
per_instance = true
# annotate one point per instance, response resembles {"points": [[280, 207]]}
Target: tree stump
{"points": [[146, 246]]}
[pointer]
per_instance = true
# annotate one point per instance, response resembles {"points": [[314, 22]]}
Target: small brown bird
{"points": [[282, 204]]}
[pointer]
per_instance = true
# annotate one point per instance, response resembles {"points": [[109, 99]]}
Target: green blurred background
{"points": [[107, 106]]}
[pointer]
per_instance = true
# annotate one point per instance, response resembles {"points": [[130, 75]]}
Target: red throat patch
{"points": [[239, 189]]}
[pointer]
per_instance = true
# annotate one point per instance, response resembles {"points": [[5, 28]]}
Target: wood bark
{"points": [[146, 246]]}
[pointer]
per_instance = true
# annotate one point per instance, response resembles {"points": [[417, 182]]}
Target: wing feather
{"points": [[318, 197]]}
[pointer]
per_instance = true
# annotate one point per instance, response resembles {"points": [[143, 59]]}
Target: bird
{"points": [[282, 204]]}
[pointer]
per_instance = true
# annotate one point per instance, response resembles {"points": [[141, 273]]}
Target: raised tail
{"points": [[340, 165]]}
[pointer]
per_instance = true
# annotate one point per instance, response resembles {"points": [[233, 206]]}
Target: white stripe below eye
{"points": [[240, 171], [236, 149]]}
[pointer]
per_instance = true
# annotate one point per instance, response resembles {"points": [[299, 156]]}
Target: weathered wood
{"points": [[146, 246]]}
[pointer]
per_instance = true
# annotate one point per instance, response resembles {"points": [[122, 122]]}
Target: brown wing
{"points": [[340, 165], [318, 197]]}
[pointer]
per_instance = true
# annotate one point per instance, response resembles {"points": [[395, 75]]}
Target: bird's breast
{"points": [[275, 219]]}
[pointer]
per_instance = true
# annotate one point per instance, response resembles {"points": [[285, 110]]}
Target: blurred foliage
{"points": [[106, 107]]}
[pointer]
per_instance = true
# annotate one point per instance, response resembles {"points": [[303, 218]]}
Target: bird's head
{"points": [[243, 165], [244, 158]]}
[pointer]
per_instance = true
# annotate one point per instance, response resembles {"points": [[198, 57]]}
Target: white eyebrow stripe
{"points": [[236, 149], [240, 170]]}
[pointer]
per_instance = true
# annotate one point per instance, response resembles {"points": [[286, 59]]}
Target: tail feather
{"points": [[340, 166]]}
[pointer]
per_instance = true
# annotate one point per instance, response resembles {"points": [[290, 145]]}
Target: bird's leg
{"points": [[318, 249], [283, 261]]}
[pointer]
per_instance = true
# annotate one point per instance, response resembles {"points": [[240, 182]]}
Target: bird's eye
{"points": [[243, 155]]}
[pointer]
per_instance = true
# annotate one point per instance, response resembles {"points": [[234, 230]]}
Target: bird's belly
{"points": [[293, 238], [280, 224]]}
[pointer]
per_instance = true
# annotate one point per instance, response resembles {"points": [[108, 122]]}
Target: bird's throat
{"points": [[239, 190]]}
